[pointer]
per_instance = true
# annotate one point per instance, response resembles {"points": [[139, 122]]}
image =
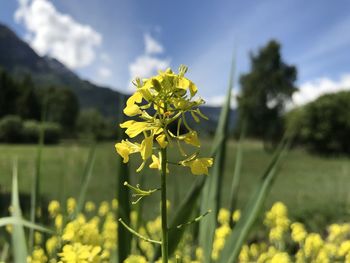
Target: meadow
{"points": [[314, 188]]}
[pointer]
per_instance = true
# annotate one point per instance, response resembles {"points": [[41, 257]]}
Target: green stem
{"points": [[164, 208]]}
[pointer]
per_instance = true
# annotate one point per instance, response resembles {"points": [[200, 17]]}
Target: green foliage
{"points": [[253, 208], [22, 99], [14, 130], [92, 125], [86, 180], [323, 125], [60, 106], [53, 132], [18, 98], [265, 90], [211, 195], [19, 244], [28, 103], [11, 129]]}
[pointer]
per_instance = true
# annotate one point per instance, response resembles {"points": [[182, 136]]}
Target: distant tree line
{"points": [[24, 107], [323, 125]]}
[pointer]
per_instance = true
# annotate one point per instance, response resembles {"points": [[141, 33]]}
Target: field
{"points": [[314, 188]]}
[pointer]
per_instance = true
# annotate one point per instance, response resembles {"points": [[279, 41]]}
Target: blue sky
{"points": [[201, 34]]}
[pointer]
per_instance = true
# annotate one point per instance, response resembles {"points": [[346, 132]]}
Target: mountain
{"points": [[18, 58]]}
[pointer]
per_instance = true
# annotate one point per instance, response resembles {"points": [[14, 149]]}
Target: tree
{"points": [[8, 94], [27, 104], [323, 125], [265, 90], [61, 106]]}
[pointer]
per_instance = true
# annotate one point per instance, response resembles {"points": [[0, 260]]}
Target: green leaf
{"points": [[4, 252], [35, 191], [19, 246], [241, 230], [123, 196], [211, 193], [237, 171], [12, 220], [86, 179]]}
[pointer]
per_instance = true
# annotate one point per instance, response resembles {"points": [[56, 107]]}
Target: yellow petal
{"points": [[135, 98], [192, 139], [126, 124], [199, 166], [155, 162], [146, 147], [161, 139], [125, 148], [183, 83], [193, 89], [132, 110], [136, 128]]}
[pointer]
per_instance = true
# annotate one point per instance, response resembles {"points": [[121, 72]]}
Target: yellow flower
{"points": [[298, 232], [51, 244], [155, 163], [161, 139], [38, 256], [224, 216], [59, 221], [89, 207], [134, 128], [125, 148], [53, 208], [146, 147], [236, 215], [71, 204], [78, 253], [199, 166], [38, 238], [191, 138], [131, 108]]}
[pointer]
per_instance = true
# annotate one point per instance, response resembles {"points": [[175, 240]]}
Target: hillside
{"points": [[18, 58]]}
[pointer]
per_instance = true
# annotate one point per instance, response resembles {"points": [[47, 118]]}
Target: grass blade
{"points": [[237, 171], [4, 252], [19, 246], [89, 166], [35, 191], [212, 188], [12, 220], [123, 196], [236, 239]]}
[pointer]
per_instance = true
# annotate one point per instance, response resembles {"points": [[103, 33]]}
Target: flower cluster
{"points": [[92, 237], [158, 102], [89, 237]]}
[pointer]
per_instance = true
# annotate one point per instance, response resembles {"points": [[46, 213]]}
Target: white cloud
{"points": [[311, 90], [152, 46], [148, 64], [104, 72], [57, 35]]}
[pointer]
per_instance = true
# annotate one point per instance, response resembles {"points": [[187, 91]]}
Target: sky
{"points": [[110, 42]]}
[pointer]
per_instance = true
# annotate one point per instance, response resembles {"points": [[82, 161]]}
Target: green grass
{"points": [[315, 189]]}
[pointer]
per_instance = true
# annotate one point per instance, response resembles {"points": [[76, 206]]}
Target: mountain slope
{"points": [[18, 58]]}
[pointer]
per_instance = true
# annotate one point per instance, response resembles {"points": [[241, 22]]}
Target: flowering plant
{"points": [[159, 101]]}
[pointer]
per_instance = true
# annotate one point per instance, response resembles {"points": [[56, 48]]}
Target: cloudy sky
{"points": [[112, 41]]}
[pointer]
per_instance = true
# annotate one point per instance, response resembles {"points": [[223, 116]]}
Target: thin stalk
{"points": [[164, 207]]}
